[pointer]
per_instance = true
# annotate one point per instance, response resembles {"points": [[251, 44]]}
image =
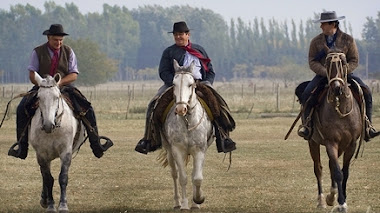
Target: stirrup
{"points": [[14, 152], [107, 144], [306, 134]]}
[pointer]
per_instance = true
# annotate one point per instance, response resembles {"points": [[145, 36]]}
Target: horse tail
{"points": [[162, 158]]}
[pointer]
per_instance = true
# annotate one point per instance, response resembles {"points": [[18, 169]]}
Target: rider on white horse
{"points": [[185, 52], [48, 59]]}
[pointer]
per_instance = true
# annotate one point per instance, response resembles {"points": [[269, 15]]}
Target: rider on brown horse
{"points": [[331, 37]]}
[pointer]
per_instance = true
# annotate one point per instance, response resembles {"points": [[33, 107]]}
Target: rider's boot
{"points": [[23, 118], [370, 130], [145, 144], [223, 142], [305, 130], [92, 131]]}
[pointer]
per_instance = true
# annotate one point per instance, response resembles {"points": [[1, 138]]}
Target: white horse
{"points": [[54, 133], [187, 131]]}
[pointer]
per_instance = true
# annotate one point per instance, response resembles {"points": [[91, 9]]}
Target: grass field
{"points": [[268, 174]]}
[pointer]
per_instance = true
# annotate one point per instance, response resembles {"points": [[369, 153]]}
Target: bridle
{"points": [[193, 86], [341, 76], [58, 116], [190, 108]]}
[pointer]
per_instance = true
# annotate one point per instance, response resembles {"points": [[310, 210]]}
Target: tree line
{"points": [[120, 44]]}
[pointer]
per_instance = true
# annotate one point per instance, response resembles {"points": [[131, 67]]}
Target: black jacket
{"points": [[166, 69]]}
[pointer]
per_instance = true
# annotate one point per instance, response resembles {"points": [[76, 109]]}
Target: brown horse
{"points": [[338, 125]]}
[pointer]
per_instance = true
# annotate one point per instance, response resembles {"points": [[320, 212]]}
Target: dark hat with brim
{"points": [[55, 29], [180, 27], [328, 16]]}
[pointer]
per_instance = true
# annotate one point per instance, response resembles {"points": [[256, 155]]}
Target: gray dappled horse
{"points": [[187, 132], [54, 133], [338, 125]]}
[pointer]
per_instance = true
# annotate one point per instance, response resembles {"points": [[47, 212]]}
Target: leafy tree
{"points": [[94, 66]]}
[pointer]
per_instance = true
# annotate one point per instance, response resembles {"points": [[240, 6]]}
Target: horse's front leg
{"points": [[63, 181], [197, 177], [174, 173], [180, 162], [336, 175], [314, 149], [47, 200]]}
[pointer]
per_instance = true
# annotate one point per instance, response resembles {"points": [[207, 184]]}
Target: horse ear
{"points": [[176, 65], [38, 78], [57, 78]]}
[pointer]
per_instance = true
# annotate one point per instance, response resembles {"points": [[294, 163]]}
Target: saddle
{"points": [[319, 92], [215, 106]]}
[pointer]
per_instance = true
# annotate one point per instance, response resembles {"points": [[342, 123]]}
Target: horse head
{"points": [[49, 98], [336, 68], [184, 88]]}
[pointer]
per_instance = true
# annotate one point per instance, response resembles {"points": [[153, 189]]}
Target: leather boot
{"points": [[370, 130], [23, 117], [92, 131], [223, 142], [145, 144], [305, 130]]}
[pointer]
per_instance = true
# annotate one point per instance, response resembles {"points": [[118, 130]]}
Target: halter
{"points": [[341, 70], [58, 117]]}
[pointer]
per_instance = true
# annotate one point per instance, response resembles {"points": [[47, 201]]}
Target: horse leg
{"points": [[315, 153], [336, 174], [180, 162], [174, 173], [197, 177], [345, 170], [63, 181], [47, 200]]}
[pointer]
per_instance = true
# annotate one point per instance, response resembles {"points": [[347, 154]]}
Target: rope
{"points": [[9, 102]]}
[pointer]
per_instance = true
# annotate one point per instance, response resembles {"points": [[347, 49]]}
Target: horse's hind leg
{"points": [[314, 149], [197, 176], [63, 181], [47, 200]]}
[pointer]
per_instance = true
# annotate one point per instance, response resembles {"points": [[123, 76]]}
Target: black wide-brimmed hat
{"points": [[180, 27], [55, 29], [328, 16]]}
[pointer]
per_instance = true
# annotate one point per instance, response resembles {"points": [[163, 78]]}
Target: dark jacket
{"points": [[166, 68]]}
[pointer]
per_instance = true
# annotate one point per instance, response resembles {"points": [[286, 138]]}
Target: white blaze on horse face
{"points": [[183, 91]]}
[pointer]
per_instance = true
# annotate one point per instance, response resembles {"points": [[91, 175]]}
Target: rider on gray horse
{"points": [[48, 59], [185, 52]]}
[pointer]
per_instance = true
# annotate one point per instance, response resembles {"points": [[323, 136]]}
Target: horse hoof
{"points": [[177, 208], [51, 209], [63, 208], [199, 201], [330, 199], [340, 208], [43, 203]]}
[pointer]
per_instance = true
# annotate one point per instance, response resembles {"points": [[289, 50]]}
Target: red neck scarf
{"points": [[199, 55], [54, 61]]}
